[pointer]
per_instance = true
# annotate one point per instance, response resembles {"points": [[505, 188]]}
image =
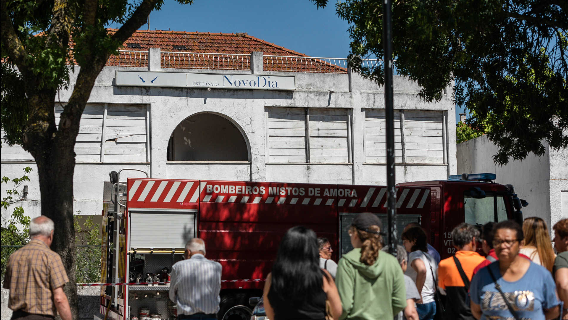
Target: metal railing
{"points": [[129, 58], [225, 61], [208, 61], [304, 64]]}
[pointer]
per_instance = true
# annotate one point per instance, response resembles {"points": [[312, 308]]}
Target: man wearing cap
{"points": [[370, 282]]}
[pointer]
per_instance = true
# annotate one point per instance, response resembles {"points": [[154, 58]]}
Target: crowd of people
{"points": [[520, 277]]}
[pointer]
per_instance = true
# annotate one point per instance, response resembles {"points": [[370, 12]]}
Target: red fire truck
{"points": [[148, 222]]}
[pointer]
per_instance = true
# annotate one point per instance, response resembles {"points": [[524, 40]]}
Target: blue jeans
{"points": [[426, 311]]}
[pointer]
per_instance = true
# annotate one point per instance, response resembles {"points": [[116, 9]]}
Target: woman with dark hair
{"points": [[370, 282], [512, 287], [298, 288], [422, 270]]}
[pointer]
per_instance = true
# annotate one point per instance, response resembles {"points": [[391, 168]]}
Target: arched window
{"points": [[207, 137]]}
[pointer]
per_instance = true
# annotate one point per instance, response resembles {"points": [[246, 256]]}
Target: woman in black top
{"points": [[297, 288]]}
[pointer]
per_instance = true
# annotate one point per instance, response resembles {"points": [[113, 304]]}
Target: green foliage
{"points": [[465, 132], [507, 59], [15, 226], [88, 241]]}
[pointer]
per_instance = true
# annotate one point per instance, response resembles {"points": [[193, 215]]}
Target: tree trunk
{"points": [[55, 168]]}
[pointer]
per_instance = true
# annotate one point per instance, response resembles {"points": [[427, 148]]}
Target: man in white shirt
{"points": [[196, 283]]}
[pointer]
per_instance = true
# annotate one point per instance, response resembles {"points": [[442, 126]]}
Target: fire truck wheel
{"points": [[238, 313]]}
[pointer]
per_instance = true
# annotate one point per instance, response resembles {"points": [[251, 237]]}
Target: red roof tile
{"points": [[206, 43]]}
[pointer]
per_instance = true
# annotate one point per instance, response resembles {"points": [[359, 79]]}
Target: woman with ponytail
{"points": [[297, 288], [370, 282]]}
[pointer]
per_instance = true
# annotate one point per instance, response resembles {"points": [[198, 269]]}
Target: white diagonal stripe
{"points": [[219, 199], [207, 198], [341, 202], [269, 199], [329, 202], [172, 191], [256, 200], [158, 193], [281, 200], [194, 195], [146, 190], [353, 203], [294, 200], [185, 191], [317, 202], [306, 201], [367, 197], [413, 198], [387, 202], [402, 197], [379, 197], [245, 199], [133, 189], [424, 197], [232, 199]]}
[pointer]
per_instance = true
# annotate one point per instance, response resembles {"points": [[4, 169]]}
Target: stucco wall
{"points": [[246, 109], [539, 180]]}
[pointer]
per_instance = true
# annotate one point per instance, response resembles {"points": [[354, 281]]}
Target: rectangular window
{"points": [[286, 135], [423, 136], [328, 136], [418, 136], [121, 131], [480, 211], [375, 136], [323, 138]]}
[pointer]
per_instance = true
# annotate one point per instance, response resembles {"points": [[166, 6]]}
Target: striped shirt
{"points": [[195, 285], [32, 273]]}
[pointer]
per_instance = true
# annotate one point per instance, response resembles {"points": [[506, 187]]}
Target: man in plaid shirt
{"points": [[35, 277]]}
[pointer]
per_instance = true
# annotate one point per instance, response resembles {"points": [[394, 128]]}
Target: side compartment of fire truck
{"points": [[152, 230]]}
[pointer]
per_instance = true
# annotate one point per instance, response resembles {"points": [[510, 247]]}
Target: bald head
{"points": [[41, 228]]}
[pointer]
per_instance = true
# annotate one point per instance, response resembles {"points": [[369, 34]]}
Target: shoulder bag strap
{"points": [[325, 264], [462, 273], [498, 287], [437, 294]]}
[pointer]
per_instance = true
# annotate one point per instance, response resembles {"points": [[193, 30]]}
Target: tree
{"points": [[15, 225], [465, 132], [507, 58], [41, 41]]}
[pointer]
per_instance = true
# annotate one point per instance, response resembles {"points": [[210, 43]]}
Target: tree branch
{"points": [[10, 41], [60, 24], [137, 19], [538, 20], [90, 12]]}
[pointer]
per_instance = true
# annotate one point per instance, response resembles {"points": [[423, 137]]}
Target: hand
{"points": [[419, 301]]}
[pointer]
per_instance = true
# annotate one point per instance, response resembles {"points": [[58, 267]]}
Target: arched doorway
{"points": [[207, 137]]}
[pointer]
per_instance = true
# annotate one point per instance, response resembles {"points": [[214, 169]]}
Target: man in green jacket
{"points": [[370, 283]]}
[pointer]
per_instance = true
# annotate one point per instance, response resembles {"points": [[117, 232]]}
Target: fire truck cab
{"points": [[148, 221]]}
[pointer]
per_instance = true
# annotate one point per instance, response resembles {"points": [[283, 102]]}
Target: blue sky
{"points": [[294, 24]]}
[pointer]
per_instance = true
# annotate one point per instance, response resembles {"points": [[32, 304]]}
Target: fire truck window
{"points": [[207, 137], [481, 211]]}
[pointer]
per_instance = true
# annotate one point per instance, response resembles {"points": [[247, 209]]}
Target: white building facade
{"points": [[250, 125]]}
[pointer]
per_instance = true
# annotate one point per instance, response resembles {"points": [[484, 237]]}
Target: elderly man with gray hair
{"points": [[196, 283], [35, 277], [455, 273]]}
